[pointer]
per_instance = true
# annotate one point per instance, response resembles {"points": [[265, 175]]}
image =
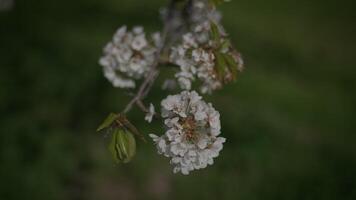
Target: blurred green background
{"points": [[289, 119]]}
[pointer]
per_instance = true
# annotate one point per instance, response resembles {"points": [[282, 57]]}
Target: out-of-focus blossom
{"points": [[151, 112], [196, 53], [6, 5], [128, 56]]}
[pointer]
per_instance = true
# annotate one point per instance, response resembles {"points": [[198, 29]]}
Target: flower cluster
{"points": [[191, 139], [195, 63], [203, 14], [194, 42], [128, 56], [204, 53]]}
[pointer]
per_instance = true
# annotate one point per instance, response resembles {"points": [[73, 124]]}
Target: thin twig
{"points": [[142, 106], [149, 86], [150, 78]]}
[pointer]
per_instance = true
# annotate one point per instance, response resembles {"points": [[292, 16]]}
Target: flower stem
{"points": [[146, 85]]}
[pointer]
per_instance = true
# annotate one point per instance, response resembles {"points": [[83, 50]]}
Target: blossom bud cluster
{"points": [[195, 63], [191, 139], [202, 15], [128, 56], [196, 55]]}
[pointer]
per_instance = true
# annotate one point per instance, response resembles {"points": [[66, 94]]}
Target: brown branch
{"points": [[152, 75]]}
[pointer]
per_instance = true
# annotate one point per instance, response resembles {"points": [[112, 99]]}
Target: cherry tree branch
{"points": [[146, 85]]}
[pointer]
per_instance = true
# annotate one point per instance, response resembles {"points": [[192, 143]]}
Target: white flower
{"points": [[195, 62], [195, 54], [191, 140], [151, 112], [202, 16], [157, 38], [128, 57], [139, 42]]}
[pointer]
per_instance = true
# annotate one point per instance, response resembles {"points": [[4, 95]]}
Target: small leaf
{"points": [[225, 45], [220, 65], [107, 122], [232, 65], [215, 34]]}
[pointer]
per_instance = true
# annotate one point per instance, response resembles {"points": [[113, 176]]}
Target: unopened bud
{"points": [[122, 145]]}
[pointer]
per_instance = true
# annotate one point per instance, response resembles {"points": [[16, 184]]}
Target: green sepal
{"points": [[107, 122]]}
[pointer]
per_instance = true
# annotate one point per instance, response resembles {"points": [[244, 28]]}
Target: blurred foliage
{"points": [[289, 119]]}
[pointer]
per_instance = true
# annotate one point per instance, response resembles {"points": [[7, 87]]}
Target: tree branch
{"points": [[152, 75]]}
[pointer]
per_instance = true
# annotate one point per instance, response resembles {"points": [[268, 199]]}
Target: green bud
{"points": [[122, 146]]}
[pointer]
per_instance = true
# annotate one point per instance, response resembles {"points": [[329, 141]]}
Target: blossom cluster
{"points": [[195, 63], [198, 53], [194, 40], [128, 56], [191, 139], [202, 15]]}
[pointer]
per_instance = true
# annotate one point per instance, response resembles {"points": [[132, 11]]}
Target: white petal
{"points": [[150, 114]]}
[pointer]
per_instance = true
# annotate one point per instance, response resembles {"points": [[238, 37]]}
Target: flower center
{"points": [[189, 127], [137, 55]]}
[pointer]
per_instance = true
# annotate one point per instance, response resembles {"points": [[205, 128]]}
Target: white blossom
{"points": [[191, 140], [195, 54], [201, 18], [6, 5], [195, 62], [151, 112], [128, 57]]}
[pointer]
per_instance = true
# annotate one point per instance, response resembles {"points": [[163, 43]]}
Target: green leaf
{"points": [[215, 34], [225, 45], [220, 65], [108, 121], [232, 65]]}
